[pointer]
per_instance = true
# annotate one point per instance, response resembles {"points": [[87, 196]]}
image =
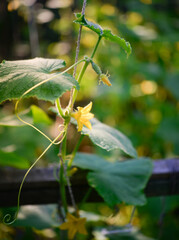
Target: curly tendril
{"points": [[11, 218], [7, 218]]}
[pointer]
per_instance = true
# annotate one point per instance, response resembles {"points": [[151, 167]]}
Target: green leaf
{"points": [[13, 121], [125, 232], [107, 34], [13, 160], [32, 115], [16, 77], [108, 138], [84, 22], [39, 116], [117, 181], [39, 217]]}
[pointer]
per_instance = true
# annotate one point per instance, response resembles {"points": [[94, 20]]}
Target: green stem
{"points": [[84, 69], [79, 80], [96, 46], [75, 151], [62, 177], [86, 197], [63, 152], [59, 107], [132, 214], [62, 188], [72, 66], [58, 100]]}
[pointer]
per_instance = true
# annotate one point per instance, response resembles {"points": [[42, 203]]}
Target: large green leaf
{"points": [[13, 160], [16, 77], [39, 217], [108, 138], [107, 34], [117, 181]]}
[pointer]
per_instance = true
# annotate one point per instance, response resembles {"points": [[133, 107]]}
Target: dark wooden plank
{"points": [[165, 178], [40, 186]]}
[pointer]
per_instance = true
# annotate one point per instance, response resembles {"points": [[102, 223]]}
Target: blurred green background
{"points": [[142, 102]]}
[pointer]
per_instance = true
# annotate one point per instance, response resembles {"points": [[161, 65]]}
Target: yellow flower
{"points": [[74, 225], [83, 116], [105, 79]]}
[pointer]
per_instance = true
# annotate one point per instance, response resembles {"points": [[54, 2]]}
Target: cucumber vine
{"points": [[42, 78]]}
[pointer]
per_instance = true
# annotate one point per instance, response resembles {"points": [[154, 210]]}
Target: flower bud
{"points": [[105, 79]]}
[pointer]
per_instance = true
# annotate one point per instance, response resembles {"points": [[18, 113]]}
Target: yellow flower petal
{"points": [[64, 226], [88, 124], [89, 115], [83, 116], [81, 227], [74, 225], [87, 109], [80, 126], [71, 233], [104, 78], [70, 217]]}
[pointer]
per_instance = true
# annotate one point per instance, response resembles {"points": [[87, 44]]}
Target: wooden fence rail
{"points": [[41, 187]]}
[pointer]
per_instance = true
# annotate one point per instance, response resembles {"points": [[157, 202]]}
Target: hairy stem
{"points": [[62, 154], [62, 186], [79, 38], [68, 184]]}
